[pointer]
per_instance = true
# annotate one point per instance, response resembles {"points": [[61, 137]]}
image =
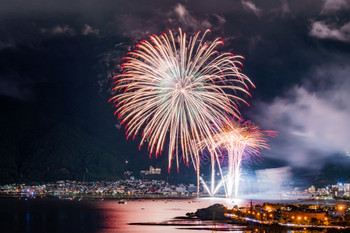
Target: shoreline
{"points": [[244, 224], [154, 196]]}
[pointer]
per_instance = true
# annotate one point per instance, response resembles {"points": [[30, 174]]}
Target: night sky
{"points": [[58, 58]]}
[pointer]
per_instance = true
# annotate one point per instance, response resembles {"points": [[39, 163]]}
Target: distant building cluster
{"points": [[151, 171], [270, 183], [126, 188], [339, 190]]}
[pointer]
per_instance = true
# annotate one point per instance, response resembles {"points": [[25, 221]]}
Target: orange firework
{"points": [[238, 139]]}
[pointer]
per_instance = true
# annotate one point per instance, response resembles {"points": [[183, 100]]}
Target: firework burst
{"points": [[239, 139], [174, 90]]}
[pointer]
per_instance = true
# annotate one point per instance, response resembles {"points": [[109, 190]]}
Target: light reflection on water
{"points": [[56, 216], [117, 216]]}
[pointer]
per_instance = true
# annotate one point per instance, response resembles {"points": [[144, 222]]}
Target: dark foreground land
{"points": [[218, 218]]}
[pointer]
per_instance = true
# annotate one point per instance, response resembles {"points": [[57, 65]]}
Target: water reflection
{"points": [[108, 216], [48, 216]]}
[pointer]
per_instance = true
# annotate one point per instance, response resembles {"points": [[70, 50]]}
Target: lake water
{"points": [[106, 216]]}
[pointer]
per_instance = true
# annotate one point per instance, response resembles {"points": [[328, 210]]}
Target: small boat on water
{"points": [[121, 202]]}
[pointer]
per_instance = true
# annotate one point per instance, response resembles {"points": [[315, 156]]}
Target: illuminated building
{"points": [[295, 216], [152, 171]]}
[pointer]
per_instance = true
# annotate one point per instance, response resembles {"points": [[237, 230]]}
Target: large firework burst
{"points": [[174, 90]]}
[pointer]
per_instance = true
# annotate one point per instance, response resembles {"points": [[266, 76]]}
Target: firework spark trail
{"points": [[176, 89], [239, 139], [214, 160]]}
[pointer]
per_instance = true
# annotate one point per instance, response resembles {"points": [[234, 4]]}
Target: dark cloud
{"points": [[60, 30], [321, 30], [312, 121], [250, 6], [178, 15], [88, 30], [331, 6]]}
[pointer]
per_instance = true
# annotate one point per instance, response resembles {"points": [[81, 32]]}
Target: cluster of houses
{"points": [[128, 187], [339, 190], [333, 214]]}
